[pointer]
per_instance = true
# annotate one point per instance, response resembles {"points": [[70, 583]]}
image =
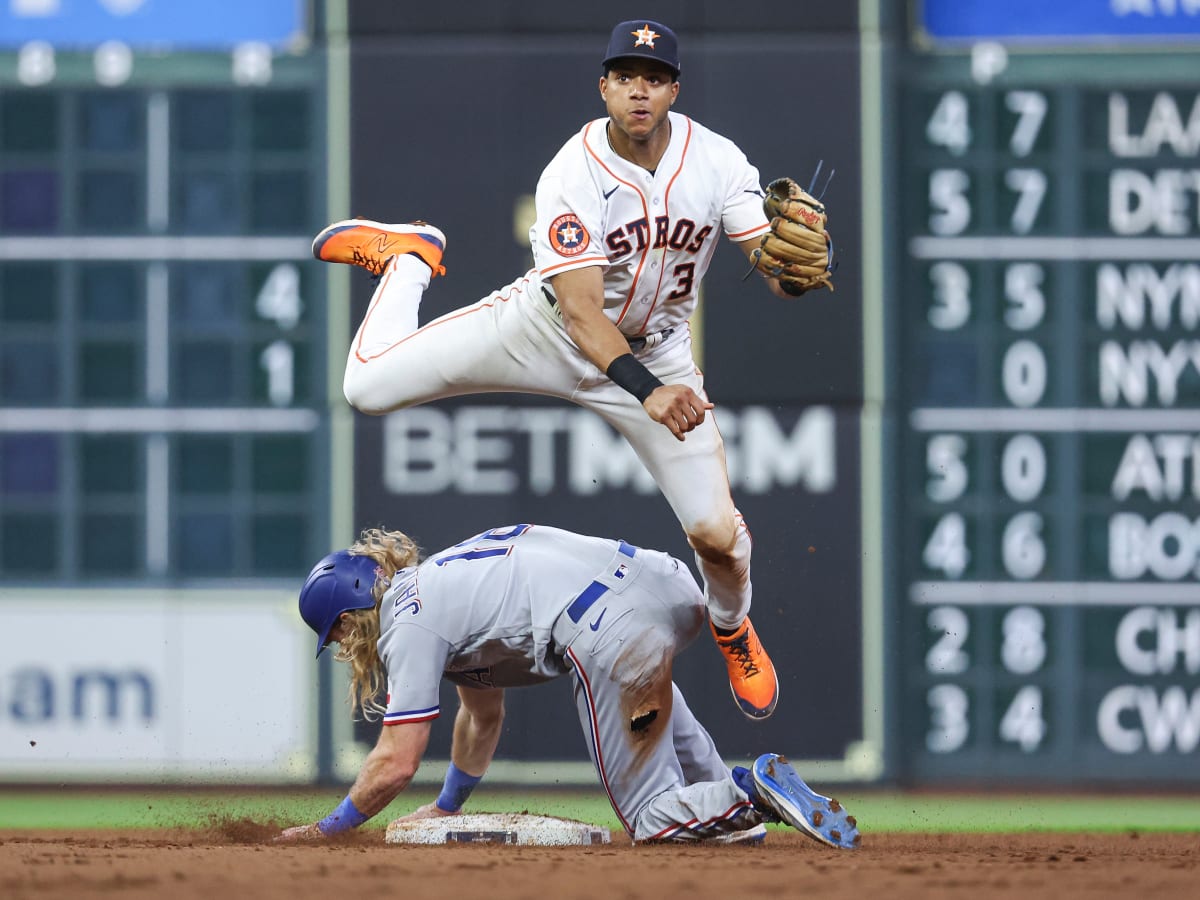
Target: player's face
{"points": [[638, 94], [338, 631]]}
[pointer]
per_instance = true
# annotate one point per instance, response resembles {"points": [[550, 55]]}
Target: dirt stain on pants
{"points": [[643, 671]]}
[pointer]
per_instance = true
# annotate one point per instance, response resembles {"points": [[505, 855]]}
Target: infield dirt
{"points": [[237, 860]]}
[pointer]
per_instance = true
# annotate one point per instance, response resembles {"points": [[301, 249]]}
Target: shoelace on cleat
{"points": [[742, 655], [372, 264]]}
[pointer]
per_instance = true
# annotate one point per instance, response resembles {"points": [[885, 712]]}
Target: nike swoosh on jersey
{"points": [[595, 626], [613, 191]]}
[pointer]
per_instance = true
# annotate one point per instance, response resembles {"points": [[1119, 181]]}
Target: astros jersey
{"points": [[653, 233], [481, 613]]}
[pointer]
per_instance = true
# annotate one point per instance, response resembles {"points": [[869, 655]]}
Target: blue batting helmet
{"points": [[340, 582]]}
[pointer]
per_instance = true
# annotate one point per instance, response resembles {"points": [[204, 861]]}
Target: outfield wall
{"points": [[145, 685], [971, 473]]}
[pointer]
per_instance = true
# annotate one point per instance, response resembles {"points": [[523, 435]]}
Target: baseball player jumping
{"points": [[524, 604], [628, 215]]}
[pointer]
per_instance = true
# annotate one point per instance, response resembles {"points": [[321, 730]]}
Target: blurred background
{"points": [[972, 473]]}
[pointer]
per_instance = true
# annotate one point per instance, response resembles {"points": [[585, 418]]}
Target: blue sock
{"points": [[745, 780]]}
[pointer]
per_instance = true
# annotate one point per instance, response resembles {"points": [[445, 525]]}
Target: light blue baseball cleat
{"points": [[784, 793]]}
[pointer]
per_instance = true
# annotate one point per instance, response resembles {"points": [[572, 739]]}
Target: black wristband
{"points": [[631, 375]]}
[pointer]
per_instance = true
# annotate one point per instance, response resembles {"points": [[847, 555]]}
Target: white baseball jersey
{"points": [[481, 613], [653, 233]]}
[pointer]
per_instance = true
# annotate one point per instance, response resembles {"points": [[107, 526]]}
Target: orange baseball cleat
{"points": [[361, 242], [751, 675]]}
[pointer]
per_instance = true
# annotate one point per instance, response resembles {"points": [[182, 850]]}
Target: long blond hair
{"points": [[392, 551]]}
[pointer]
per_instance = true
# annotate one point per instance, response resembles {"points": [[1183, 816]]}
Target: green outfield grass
{"points": [[875, 811]]}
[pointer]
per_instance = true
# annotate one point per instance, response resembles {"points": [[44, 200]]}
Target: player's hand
{"points": [[678, 407], [776, 288], [298, 833], [428, 811]]}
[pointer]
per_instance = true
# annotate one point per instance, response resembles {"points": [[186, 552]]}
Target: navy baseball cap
{"points": [[643, 39], [340, 582]]}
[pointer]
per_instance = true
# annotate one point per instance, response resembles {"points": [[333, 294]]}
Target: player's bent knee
{"points": [[364, 395], [714, 541], [363, 404]]}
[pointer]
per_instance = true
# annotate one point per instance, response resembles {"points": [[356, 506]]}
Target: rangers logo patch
{"points": [[568, 237]]}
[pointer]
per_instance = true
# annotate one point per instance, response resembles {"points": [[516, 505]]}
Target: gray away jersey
{"points": [[481, 613]]}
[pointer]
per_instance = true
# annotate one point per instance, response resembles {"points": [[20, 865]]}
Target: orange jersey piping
{"points": [[645, 211], [666, 206], [492, 301]]}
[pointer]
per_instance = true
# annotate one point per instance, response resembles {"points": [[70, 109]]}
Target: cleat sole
{"points": [[821, 818]]}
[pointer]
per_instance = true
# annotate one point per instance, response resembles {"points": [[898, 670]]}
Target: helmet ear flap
{"points": [[340, 582]]}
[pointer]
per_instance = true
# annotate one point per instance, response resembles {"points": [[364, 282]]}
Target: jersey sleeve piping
{"points": [[405, 716], [753, 232], [582, 262]]}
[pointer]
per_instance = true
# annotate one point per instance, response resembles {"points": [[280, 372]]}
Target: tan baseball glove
{"points": [[797, 250]]}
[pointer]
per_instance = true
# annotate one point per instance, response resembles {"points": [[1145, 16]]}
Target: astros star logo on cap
{"points": [[645, 35]]}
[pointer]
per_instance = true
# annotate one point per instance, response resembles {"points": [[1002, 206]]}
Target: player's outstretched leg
{"points": [[781, 795], [361, 242], [752, 678], [722, 544]]}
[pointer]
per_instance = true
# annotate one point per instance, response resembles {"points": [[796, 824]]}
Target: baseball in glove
{"points": [[797, 250]]}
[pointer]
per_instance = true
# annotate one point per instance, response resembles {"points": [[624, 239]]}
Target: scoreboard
{"points": [[1047, 338], [162, 340]]}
